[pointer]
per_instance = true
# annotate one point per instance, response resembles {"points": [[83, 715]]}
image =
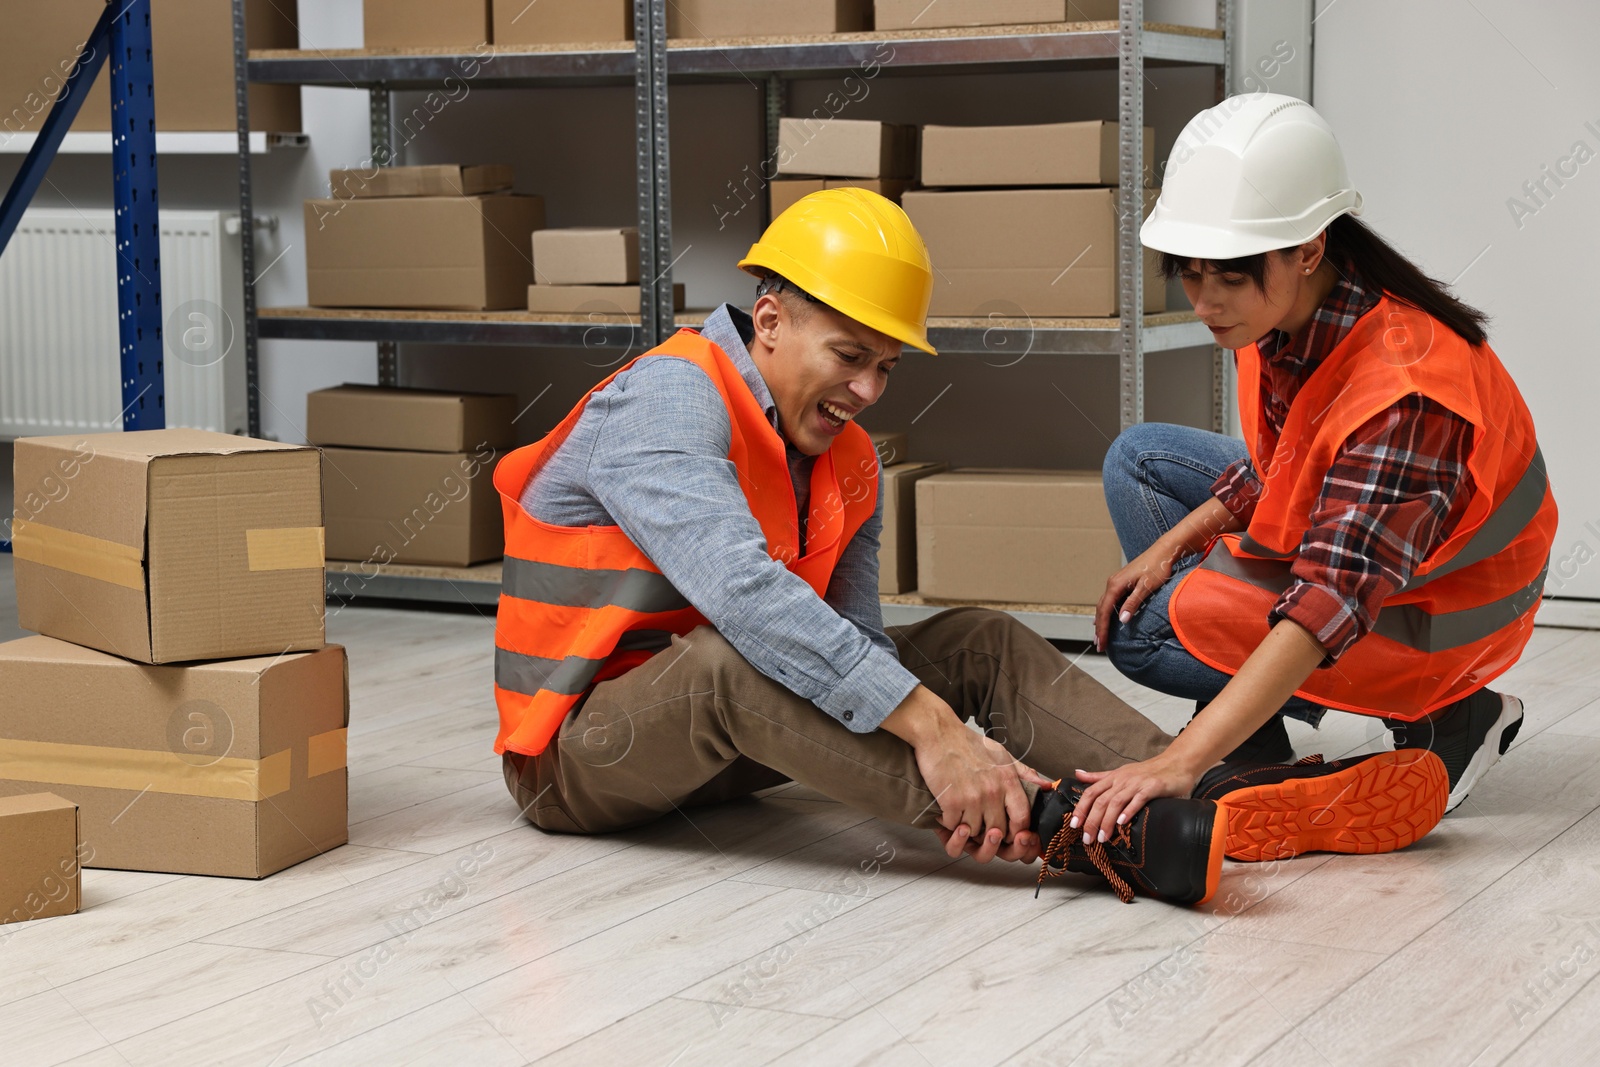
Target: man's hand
{"points": [[1024, 848], [983, 808]]}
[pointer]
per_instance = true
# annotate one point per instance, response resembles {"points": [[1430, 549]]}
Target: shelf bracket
{"points": [[1130, 253], [654, 171], [381, 133], [775, 95], [1221, 364], [247, 223]]}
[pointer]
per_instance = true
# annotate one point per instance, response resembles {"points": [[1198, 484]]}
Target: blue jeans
{"points": [[1155, 475]]}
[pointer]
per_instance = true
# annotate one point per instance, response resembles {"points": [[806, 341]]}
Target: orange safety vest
{"points": [[582, 604], [1467, 612]]}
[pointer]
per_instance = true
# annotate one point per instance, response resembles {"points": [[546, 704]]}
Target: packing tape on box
{"points": [[326, 752], [294, 548], [92, 557], [138, 769]]}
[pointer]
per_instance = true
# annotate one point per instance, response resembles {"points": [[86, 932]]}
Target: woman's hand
{"points": [[1130, 587], [1114, 797]]}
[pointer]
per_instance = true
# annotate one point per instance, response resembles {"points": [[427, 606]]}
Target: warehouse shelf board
{"points": [[477, 585], [175, 143], [1004, 338], [1058, 622], [1046, 46], [606, 63], [480, 587]]}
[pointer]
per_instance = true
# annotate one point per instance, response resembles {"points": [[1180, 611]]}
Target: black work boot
{"points": [[1470, 736], [1363, 804], [1172, 849]]}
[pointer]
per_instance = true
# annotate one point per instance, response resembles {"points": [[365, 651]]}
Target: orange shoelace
{"points": [[1061, 845]]}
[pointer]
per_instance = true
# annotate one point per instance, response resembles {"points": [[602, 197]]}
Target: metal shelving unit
{"points": [[1128, 47]]}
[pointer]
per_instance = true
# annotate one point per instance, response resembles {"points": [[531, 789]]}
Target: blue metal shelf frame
{"points": [[122, 33]]}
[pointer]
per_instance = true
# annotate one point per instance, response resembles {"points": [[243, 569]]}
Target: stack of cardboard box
{"points": [[944, 14], [179, 692], [447, 237], [407, 474], [1021, 221], [588, 270], [834, 153]]}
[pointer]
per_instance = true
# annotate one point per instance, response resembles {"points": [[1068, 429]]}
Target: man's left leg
{"points": [[1021, 691]]}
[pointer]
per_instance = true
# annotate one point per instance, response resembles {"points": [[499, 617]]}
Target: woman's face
{"points": [[1236, 311]]}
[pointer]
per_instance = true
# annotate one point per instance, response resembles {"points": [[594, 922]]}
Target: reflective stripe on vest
{"points": [[1501, 528], [518, 673], [549, 583], [1406, 623]]}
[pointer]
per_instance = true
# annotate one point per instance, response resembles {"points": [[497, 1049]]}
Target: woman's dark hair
{"points": [[1351, 243]]}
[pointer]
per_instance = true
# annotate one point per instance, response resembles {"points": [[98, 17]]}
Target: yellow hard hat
{"points": [[858, 253]]}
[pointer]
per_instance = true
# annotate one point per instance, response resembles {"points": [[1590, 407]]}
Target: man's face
{"points": [[823, 369]]}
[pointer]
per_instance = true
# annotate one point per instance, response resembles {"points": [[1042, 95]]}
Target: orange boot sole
{"points": [[1380, 804]]}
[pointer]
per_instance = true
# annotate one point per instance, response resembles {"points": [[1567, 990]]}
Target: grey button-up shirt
{"points": [[650, 454]]}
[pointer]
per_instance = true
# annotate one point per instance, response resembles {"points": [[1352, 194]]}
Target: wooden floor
{"points": [[749, 934]]}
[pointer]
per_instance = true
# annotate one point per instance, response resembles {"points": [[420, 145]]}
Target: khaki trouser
{"points": [[697, 724]]}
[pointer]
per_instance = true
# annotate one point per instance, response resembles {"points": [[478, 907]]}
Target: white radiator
{"points": [[59, 368]]}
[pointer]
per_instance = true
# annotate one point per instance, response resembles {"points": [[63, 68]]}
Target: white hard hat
{"points": [[1259, 171]]}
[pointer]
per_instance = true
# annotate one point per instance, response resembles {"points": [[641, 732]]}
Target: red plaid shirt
{"points": [[1395, 491]]}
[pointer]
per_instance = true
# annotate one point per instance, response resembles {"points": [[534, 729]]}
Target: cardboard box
{"points": [[463, 253], [897, 545], [562, 21], [1037, 252], [438, 180], [586, 256], [891, 447], [766, 18], [39, 840], [1062, 153], [942, 14], [1016, 537], [193, 45], [846, 148], [785, 192], [232, 768], [414, 420], [412, 507], [170, 545], [392, 24], [592, 299]]}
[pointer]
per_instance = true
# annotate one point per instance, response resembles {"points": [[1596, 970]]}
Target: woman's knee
{"points": [[1122, 458]]}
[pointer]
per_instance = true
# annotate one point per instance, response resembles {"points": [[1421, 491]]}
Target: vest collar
{"points": [[731, 330]]}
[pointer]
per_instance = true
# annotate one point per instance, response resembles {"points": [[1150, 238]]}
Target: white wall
{"points": [[1445, 110]]}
